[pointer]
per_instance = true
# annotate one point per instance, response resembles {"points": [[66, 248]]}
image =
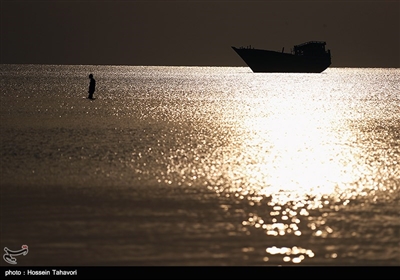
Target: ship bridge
{"points": [[311, 48]]}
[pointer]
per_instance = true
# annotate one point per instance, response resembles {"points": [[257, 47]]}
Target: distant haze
{"points": [[358, 33]]}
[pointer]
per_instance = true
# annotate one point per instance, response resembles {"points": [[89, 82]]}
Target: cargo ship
{"points": [[309, 57]]}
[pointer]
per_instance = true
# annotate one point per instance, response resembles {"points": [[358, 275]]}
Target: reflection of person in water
{"points": [[92, 86]]}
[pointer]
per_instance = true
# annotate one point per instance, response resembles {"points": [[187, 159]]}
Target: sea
{"points": [[199, 166]]}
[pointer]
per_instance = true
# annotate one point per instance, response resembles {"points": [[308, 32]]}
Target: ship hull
{"points": [[264, 61]]}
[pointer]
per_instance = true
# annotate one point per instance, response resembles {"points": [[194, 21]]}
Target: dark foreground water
{"points": [[200, 166]]}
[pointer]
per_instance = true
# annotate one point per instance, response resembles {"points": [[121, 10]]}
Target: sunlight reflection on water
{"points": [[295, 160]]}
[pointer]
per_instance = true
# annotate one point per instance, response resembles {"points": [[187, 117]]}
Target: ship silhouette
{"points": [[309, 57]]}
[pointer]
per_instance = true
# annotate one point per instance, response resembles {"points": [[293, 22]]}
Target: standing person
{"points": [[92, 86]]}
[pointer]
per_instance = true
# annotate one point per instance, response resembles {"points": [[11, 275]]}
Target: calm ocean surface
{"points": [[200, 166]]}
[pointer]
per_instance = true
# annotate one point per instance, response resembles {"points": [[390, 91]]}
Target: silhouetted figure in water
{"points": [[92, 86]]}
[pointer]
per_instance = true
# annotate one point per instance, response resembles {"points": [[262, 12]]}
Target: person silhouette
{"points": [[92, 86]]}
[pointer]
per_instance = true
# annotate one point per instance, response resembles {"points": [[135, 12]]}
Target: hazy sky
{"points": [[359, 33]]}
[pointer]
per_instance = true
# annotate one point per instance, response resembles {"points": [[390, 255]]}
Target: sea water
{"points": [[200, 166]]}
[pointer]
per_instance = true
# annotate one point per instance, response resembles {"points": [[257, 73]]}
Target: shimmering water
{"points": [[200, 166]]}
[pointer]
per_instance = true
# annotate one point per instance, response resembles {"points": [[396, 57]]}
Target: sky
{"points": [[359, 33]]}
